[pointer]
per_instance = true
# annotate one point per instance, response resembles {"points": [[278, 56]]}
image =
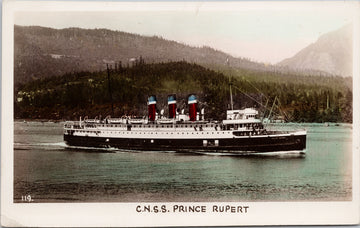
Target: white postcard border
{"points": [[125, 214]]}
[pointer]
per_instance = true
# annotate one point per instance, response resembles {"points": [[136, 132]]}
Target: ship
{"points": [[241, 133]]}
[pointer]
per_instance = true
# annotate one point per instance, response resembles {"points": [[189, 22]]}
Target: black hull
{"points": [[231, 145]]}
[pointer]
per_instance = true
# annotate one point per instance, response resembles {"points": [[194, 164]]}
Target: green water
{"points": [[50, 172]]}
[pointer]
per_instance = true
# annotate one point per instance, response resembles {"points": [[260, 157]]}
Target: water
{"points": [[50, 172]]}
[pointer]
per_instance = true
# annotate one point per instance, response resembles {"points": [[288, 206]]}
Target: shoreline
{"points": [[328, 124], [39, 120]]}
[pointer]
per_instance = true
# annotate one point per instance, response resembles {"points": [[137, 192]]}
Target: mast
{"points": [[110, 94], [327, 100], [231, 98], [230, 83]]}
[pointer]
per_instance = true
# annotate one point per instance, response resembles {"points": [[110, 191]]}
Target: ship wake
{"points": [[275, 154]]}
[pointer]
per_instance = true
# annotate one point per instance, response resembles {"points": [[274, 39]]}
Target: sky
{"points": [[261, 32]]}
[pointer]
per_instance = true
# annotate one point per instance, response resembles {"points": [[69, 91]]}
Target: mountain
{"points": [[41, 52], [331, 53]]}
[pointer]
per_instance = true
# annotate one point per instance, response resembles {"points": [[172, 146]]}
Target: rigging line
{"points": [[278, 106], [285, 114], [280, 109], [257, 89], [249, 96], [267, 101], [265, 106], [272, 106]]}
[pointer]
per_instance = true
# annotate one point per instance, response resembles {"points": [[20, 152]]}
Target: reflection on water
{"points": [[50, 172]]}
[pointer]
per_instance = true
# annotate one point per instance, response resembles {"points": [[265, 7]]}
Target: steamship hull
{"points": [[240, 133], [238, 145]]}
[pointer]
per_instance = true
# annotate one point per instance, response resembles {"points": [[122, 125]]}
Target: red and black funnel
{"points": [[152, 107], [172, 105], [192, 102]]}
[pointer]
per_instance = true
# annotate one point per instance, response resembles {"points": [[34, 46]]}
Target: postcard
{"points": [[146, 114]]}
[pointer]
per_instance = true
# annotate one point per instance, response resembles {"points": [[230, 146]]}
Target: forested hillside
{"points": [[303, 99], [41, 52]]}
